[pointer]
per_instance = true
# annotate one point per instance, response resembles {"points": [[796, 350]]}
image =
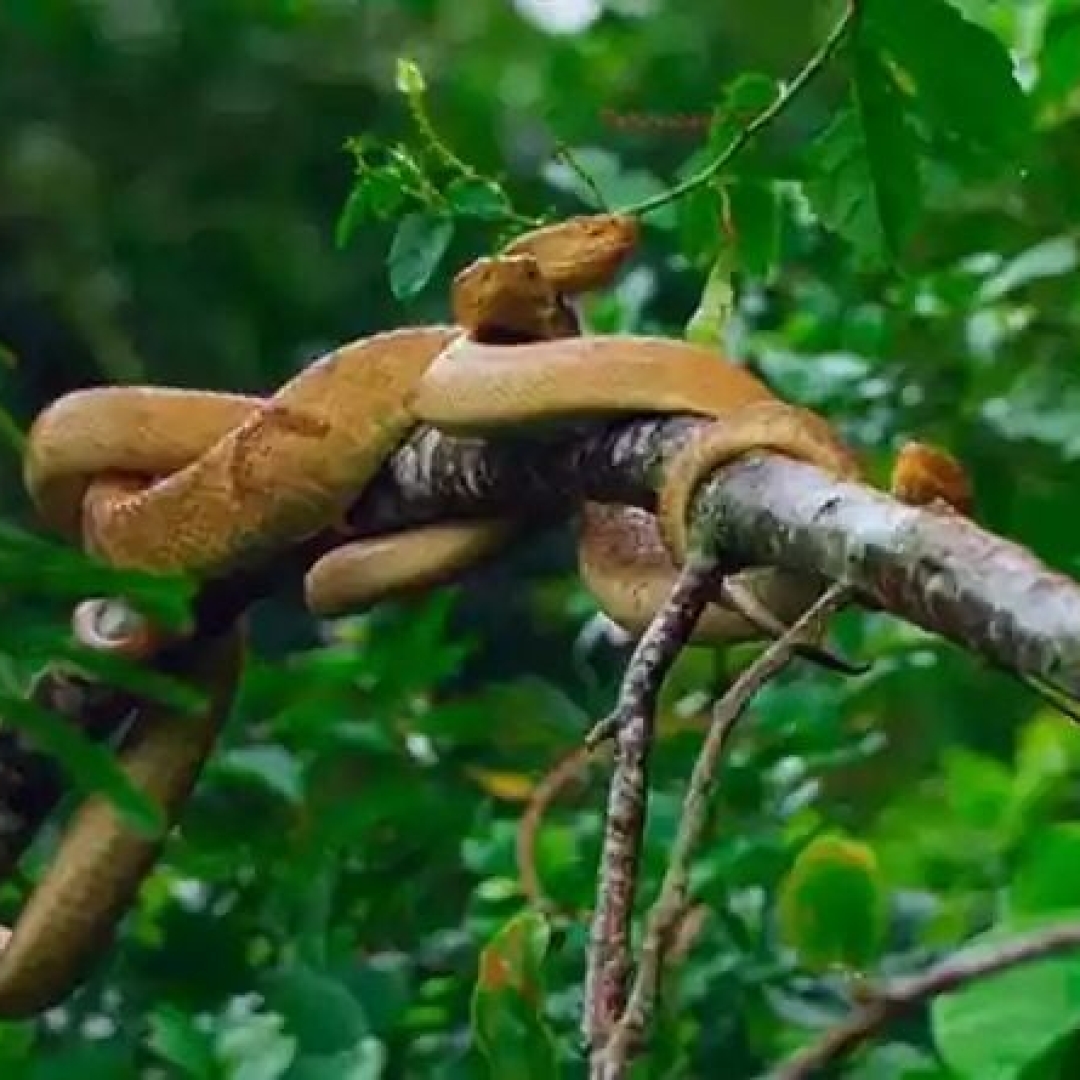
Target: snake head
{"points": [[581, 253], [507, 300]]}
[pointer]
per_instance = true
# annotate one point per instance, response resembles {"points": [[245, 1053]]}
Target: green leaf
{"points": [[600, 168], [698, 219], [253, 1047], [1047, 754], [35, 567], [616, 185], [755, 216], [742, 101], [1048, 875], [479, 198], [11, 433], [421, 241], [709, 322], [896, 1061], [92, 768], [840, 189], [319, 1010], [997, 1027], [378, 192], [1057, 91], [957, 76], [508, 1002], [832, 904], [366, 1062], [176, 1039], [17, 1041], [352, 215], [863, 173], [88, 1061], [891, 162], [384, 191], [271, 767]]}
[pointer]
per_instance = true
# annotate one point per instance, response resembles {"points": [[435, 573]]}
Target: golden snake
{"points": [[206, 483]]}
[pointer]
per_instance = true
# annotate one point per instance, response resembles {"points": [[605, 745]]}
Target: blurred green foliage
{"points": [[211, 192]]}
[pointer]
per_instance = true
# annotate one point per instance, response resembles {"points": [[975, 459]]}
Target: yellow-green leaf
{"points": [[832, 905], [508, 1001], [408, 78], [708, 323]]}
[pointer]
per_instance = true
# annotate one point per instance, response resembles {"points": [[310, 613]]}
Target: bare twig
{"points": [[633, 722], [903, 995], [566, 770], [664, 916]]}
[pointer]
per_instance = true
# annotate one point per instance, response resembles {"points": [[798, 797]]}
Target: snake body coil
{"points": [[204, 483]]}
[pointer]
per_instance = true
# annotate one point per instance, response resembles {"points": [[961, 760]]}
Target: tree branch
{"points": [[632, 723], [941, 572], [664, 916], [901, 996]]}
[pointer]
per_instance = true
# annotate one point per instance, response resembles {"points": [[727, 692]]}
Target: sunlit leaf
{"points": [[507, 786], [710, 319], [1057, 91], [408, 78]]}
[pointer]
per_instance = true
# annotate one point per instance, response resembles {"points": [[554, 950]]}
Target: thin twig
{"points": [[906, 994], [567, 769], [633, 723], [671, 903], [813, 67]]}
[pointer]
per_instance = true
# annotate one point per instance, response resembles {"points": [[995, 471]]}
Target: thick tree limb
{"points": [[939, 571], [935, 569]]}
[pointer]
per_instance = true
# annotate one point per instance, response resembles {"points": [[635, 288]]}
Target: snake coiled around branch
{"points": [[205, 483]]}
